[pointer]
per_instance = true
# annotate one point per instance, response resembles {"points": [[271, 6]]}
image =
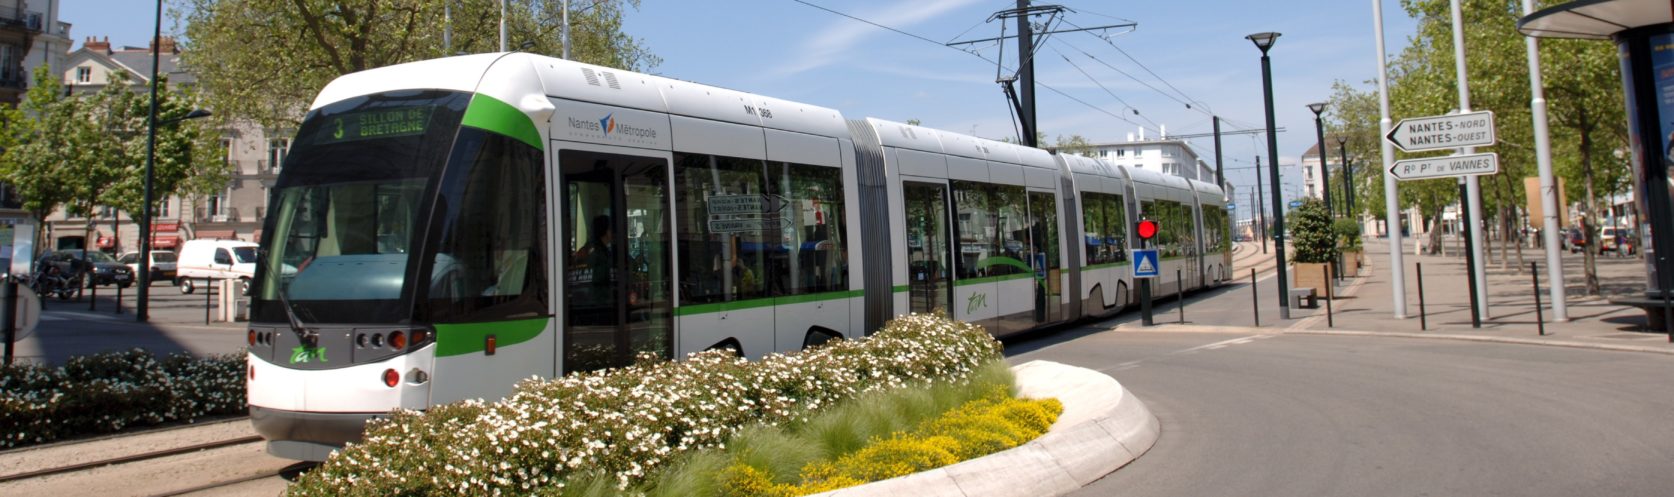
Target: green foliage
{"points": [[1075, 144], [266, 60], [1348, 233], [84, 151], [107, 392], [1310, 232], [626, 425]]}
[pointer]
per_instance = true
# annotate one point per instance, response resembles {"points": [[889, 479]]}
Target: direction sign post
{"points": [[1420, 134], [1444, 167]]}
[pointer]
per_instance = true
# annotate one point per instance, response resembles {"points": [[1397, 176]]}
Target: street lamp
{"points": [[142, 301], [1348, 176], [1324, 169], [1264, 41]]}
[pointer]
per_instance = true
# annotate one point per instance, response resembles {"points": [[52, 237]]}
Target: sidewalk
{"points": [[1366, 303]]}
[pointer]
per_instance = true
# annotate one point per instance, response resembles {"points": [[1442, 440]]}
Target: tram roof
{"points": [[1205, 187], [1088, 165], [907, 136], [521, 75]]}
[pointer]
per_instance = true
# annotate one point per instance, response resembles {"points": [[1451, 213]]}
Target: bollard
{"points": [[1255, 296], [118, 298], [1423, 322], [207, 303], [8, 313], [1667, 316], [1540, 318], [1330, 322], [1144, 300], [1180, 290], [92, 292]]}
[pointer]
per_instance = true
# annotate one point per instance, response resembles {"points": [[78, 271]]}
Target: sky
{"points": [[1090, 85]]}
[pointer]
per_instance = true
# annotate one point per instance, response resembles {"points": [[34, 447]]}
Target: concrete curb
{"points": [[1175, 328], [1103, 427], [1493, 339]]}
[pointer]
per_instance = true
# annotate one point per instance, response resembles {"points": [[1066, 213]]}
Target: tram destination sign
{"points": [[1419, 134], [1444, 167]]}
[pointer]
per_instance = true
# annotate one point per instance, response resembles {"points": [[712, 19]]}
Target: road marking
{"points": [[1123, 366]]}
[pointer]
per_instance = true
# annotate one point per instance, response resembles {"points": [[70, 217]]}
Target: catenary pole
{"points": [[1391, 204], [566, 29], [1473, 191], [142, 302], [502, 25], [1026, 74], [1548, 185]]}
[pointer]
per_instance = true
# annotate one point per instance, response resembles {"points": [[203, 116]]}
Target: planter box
{"points": [[1351, 262], [1312, 275]]}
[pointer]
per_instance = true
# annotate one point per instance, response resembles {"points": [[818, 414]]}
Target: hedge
{"points": [[111, 391], [627, 422]]}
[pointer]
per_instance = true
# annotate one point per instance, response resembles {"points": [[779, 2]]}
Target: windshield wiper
{"points": [[307, 336]]}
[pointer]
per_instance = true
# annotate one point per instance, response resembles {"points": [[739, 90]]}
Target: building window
{"points": [[1167, 152], [276, 150], [84, 74], [163, 208], [217, 204], [1121, 152]]}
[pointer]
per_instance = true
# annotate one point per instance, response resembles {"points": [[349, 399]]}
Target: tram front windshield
{"points": [[349, 207]]}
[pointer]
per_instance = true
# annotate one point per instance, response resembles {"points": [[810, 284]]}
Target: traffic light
{"points": [[1146, 229]]}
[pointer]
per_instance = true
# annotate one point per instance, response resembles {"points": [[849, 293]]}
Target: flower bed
{"points": [[620, 425], [980, 427], [107, 392]]}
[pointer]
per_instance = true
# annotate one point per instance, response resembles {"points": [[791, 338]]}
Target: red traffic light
{"points": [[1146, 229]]}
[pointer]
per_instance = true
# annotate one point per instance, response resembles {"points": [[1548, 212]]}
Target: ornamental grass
{"points": [[111, 391], [609, 431]]}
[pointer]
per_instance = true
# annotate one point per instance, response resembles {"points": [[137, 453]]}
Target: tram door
{"points": [[1043, 257], [617, 293], [928, 261]]}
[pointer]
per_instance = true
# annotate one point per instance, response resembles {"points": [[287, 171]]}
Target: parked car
{"points": [[213, 260], [1611, 238], [162, 264], [105, 270], [1574, 240]]}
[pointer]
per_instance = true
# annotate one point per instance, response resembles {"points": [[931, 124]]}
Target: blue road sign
{"points": [[1231, 206], [1145, 263], [1295, 203]]}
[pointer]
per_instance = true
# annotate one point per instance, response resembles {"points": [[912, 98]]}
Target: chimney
{"points": [[1130, 137], [1142, 133], [169, 45], [1162, 129], [93, 43]]}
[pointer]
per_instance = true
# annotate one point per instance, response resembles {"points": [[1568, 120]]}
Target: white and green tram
{"points": [[445, 228]]}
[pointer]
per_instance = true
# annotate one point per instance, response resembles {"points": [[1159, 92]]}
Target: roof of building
{"points": [[136, 61]]}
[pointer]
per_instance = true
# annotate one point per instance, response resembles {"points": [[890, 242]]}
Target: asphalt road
{"points": [[1289, 415]]}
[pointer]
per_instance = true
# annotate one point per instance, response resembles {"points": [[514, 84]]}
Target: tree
{"points": [[83, 152], [1075, 144], [265, 60]]}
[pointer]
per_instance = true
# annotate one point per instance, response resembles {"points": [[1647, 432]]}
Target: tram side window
{"points": [[983, 211], [491, 212], [1009, 212], [1092, 220], [1116, 227], [722, 244], [813, 255]]}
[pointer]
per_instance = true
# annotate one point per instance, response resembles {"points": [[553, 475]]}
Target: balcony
{"points": [[19, 20]]}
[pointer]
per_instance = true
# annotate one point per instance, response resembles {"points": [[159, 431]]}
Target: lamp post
{"points": [[141, 301], [1264, 41], [1324, 169], [1348, 175]]}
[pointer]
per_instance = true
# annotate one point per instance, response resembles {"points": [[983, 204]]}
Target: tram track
{"points": [[156, 454]]}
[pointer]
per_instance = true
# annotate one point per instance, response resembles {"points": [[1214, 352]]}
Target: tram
{"points": [[442, 229]]}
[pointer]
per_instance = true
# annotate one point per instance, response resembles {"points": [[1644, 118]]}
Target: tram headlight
{"points": [[417, 376], [252, 338]]}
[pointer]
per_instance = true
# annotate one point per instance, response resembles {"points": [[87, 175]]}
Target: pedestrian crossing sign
{"points": [[1145, 263]]}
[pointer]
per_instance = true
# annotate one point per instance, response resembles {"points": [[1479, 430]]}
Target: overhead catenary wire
{"points": [[1206, 109], [1106, 89], [1048, 87]]}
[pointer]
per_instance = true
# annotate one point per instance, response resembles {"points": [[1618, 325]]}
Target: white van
{"points": [[215, 259]]}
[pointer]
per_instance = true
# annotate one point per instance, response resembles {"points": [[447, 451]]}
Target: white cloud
{"points": [[826, 46]]}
